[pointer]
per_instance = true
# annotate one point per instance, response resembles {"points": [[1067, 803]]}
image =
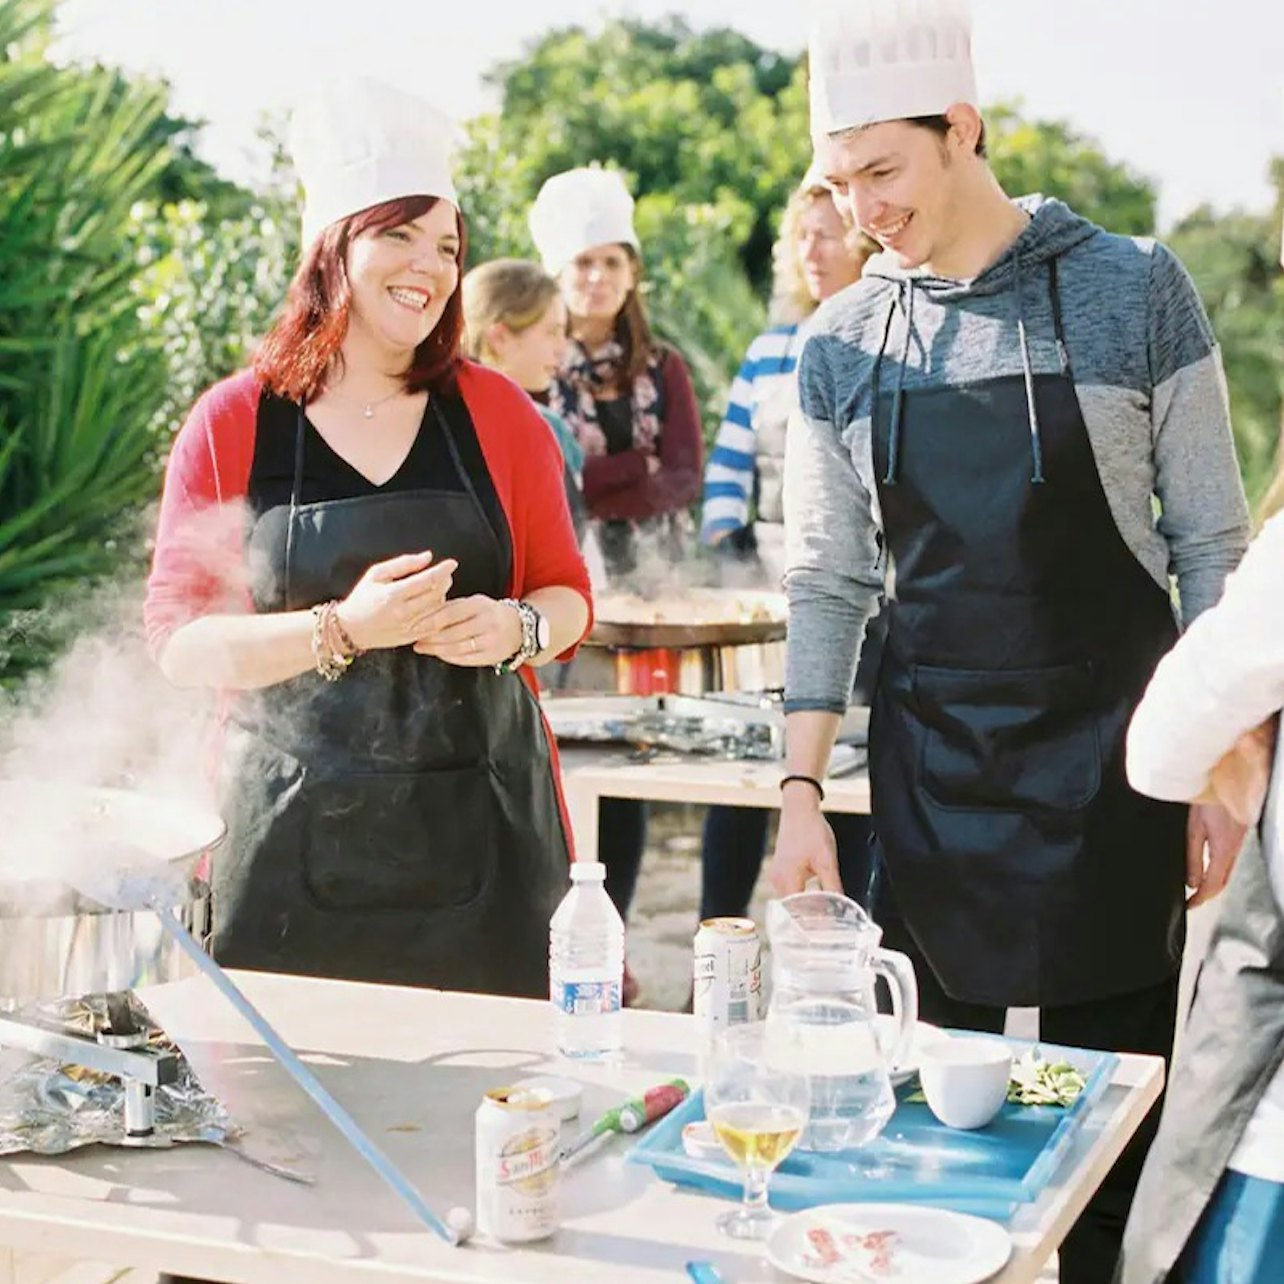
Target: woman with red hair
{"points": [[364, 542]]}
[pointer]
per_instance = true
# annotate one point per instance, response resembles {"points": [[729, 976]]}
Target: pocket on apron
{"points": [[399, 841], [1016, 740]]}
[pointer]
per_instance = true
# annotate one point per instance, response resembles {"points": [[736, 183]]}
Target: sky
{"points": [[1198, 106]]}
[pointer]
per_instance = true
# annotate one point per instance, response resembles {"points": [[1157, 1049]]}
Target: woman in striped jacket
{"points": [[817, 255]]}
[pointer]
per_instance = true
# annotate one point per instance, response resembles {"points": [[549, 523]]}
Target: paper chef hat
{"points": [[876, 60], [813, 178], [578, 209], [357, 142]]}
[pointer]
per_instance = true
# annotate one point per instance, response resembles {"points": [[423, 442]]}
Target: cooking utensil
{"points": [[128, 890], [702, 618], [56, 942]]}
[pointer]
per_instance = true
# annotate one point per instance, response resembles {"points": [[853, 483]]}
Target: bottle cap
{"points": [[588, 871]]}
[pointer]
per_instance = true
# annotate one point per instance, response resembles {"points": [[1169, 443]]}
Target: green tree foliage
{"points": [[132, 275], [80, 377], [1235, 262], [1052, 157], [214, 273], [710, 130]]}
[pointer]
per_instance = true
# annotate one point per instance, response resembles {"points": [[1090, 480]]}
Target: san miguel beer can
{"points": [[727, 973], [517, 1171]]}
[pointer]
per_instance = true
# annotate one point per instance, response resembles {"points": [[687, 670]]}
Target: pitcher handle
{"points": [[898, 971]]}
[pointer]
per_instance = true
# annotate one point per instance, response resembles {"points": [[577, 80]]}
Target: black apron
{"points": [[1021, 635], [400, 825]]}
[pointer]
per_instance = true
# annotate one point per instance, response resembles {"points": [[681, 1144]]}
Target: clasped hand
{"points": [[402, 602]]}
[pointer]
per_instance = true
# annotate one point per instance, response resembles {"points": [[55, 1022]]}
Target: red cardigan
{"points": [[198, 567]]}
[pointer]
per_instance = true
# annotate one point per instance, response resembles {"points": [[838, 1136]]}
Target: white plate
{"points": [[920, 1245], [925, 1036]]}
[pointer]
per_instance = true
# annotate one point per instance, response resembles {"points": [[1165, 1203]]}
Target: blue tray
{"points": [[989, 1172]]}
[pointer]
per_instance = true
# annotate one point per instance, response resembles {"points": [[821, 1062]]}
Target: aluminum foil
{"points": [[49, 1107], [729, 738]]}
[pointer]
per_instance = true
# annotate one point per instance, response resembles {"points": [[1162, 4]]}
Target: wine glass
{"points": [[757, 1100]]}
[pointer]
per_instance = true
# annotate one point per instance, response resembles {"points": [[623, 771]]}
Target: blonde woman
{"points": [[517, 323], [817, 255]]}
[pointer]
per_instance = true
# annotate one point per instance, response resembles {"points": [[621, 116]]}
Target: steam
{"points": [[669, 566], [105, 718]]}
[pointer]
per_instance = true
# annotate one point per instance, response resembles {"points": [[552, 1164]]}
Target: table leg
{"points": [[581, 806]]}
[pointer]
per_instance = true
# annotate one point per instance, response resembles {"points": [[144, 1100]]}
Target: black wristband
{"points": [[810, 780]]}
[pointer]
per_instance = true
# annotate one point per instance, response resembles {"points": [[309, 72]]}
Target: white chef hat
{"points": [[813, 178], [357, 142], [876, 60], [578, 209]]}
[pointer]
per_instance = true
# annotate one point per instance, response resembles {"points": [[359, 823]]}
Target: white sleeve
{"points": [[1223, 678]]}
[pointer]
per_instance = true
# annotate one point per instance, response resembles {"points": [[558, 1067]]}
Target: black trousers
{"points": [[1141, 1021], [621, 841], [735, 842]]}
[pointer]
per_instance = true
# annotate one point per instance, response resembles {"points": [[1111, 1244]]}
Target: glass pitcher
{"points": [[825, 957]]}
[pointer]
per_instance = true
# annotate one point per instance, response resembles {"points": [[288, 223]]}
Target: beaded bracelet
{"points": [[346, 645], [330, 662]]}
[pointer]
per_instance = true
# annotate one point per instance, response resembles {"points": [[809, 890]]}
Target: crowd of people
{"points": [[984, 445]]}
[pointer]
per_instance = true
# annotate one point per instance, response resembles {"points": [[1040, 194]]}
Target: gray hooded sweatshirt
{"points": [[1150, 385]]}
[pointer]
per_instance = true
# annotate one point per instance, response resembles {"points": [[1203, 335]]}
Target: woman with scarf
{"points": [[627, 397], [629, 401]]}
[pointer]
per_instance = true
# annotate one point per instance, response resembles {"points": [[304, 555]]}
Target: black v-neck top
{"points": [[429, 464]]}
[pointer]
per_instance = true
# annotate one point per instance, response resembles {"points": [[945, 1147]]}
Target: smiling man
{"points": [[990, 421]]}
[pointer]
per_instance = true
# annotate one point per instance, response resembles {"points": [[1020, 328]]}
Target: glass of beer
{"points": [[756, 1100]]}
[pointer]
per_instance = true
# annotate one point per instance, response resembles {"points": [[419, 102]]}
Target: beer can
{"points": [[517, 1170], [727, 974]]}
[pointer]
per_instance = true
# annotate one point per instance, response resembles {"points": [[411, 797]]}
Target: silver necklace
{"points": [[368, 410]]}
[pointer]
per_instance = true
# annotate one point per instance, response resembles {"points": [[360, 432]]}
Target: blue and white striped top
{"points": [[729, 473]]}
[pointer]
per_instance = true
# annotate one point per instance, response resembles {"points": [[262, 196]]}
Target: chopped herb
{"points": [[1036, 1082]]}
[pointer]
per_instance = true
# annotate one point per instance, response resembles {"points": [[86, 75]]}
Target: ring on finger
{"points": [[472, 644]]}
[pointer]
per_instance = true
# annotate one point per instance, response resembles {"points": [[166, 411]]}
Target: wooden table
{"points": [[589, 775], [411, 1065]]}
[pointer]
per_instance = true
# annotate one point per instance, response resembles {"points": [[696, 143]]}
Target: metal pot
{"points": [[56, 939], [707, 641]]}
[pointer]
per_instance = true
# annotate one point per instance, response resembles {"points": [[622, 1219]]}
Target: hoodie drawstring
{"points": [[1027, 369], [875, 378], [894, 432]]}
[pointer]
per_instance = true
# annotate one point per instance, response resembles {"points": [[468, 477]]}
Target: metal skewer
{"points": [[304, 1077]]}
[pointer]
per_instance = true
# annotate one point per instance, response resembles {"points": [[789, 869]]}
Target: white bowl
{"points": [[965, 1080]]}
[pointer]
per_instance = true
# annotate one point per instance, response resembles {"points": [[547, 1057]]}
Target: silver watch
{"points": [[535, 635]]}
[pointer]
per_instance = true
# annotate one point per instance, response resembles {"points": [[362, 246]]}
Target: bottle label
{"points": [[586, 998]]}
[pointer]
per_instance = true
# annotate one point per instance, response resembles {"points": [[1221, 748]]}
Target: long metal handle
{"points": [[304, 1077]]}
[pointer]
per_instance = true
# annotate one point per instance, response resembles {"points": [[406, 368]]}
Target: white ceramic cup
{"points": [[965, 1080]]}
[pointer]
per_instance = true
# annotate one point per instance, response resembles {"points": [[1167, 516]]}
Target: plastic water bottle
{"points": [[586, 967]]}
